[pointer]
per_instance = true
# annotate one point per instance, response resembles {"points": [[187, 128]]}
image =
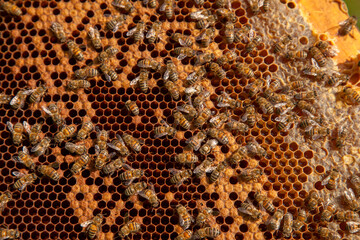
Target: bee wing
{"points": [[46, 110], [128, 182], [134, 81], [110, 145], [182, 42], [131, 32], [117, 4], [342, 23], [23, 186], [244, 210], [18, 174], [314, 63], [162, 7], [316, 136], [17, 159], [281, 118], [150, 33], [181, 56], [10, 126], [143, 194], [173, 171], [166, 74], [97, 149], [107, 77], [160, 135], [27, 127], [145, 2], [190, 76], [260, 3], [85, 224], [126, 166], [223, 105], [349, 195]]}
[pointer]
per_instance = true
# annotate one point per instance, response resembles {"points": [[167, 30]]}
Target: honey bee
{"points": [[249, 116], [209, 21], [49, 171], [53, 111], [202, 118], [241, 34], [280, 45], [173, 89], [37, 94], [128, 228], [7, 233], [204, 58], [287, 225], [11, 9], [135, 188], [254, 87], [352, 227], [137, 32], [355, 181], [185, 218], [326, 48], [109, 52], [124, 5], [200, 14], [284, 107], [5, 99], [251, 175], [326, 233], [25, 158], [345, 216], [204, 167], [299, 222], [217, 70], [306, 95], [119, 145], [199, 2], [113, 166], [306, 106], [347, 25], [331, 179], [264, 202], [218, 120], [224, 100], [284, 122], [314, 70], [102, 138], [150, 3], [179, 176], [195, 76], [133, 143], [4, 199], [249, 210], [219, 134], [206, 232], [109, 73], [19, 100], [93, 226], [350, 94], [274, 222], [185, 235], [208, 146], [149, 64], [227, 14], [186, 158], [239, 155], [312, 200], [276, 98], [223, 3], [24, 180], [74, 85], [170, 72], [94, 36], [227, 57], [195, 141], [329, 210], [315, 132], [254, 42], [168, 8], [180, 120], [164, 130], [206, 37], [74, 50], [351, 200], [41, 147], [131, 174], [237, 126], [132, 107], [65, 133], [245, 70], [318, 56], [86, 128], [265, 105], [142, 80], [254, 148], [80, 163], [255, 6], [16, 131], [189, 110], [58, 31], [183, 52], [292, 55], [204, 215], [150, 195], [78, 149], [153, 34], [218, 171], [308, 122], [115, 22], [266, 5], [102, 157], [184, 40]]}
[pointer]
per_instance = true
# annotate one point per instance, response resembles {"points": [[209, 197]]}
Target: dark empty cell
{"points": [[68, 19], [56, 11]]}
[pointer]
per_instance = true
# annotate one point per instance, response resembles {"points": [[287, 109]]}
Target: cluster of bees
{"points": [[271, 96]]}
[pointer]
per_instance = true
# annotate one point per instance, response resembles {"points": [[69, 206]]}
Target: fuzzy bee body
{"points": [[164, 130], [87, 72], [347, 25], [41, 147], [53, 111], [217, 70], [74, 85], [180, 176], [219, 169], [185, 235], [137, 32], [132, 107], [113, 166], [184, 52], [6, 233], [4, 199], [249, 210], [16, 131], [24, 180], [130, 175], [171, 72], [251, 175], [102, 137], [133, 143], [94, 36], [129, 228], [25, 159], [135, 188], [115, 23], [65, 133], [58, 31], [185, 218], [280, 45], [149, 64], [219, 135], [80, 163], [202, 118], [110, 74], [299, 222], [119, 145], [49, 172], [184, 40], [173, 89], [75, 50], [124, 5], [37, 94], [245, 70], [180, 120], [150, 195], [265, 202], [109, 52], [19, 100], [93, 226], [153, 34], [318, 56], [204, 167], [274, 222]]}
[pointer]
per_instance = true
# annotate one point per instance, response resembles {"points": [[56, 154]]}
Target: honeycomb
{"points": [[30, 54]]}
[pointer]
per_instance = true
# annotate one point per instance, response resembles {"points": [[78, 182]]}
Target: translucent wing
{"points": [[10, 126], [181, 56], [212, 120], [223, 105], [131, 32], [182, 42], [173, 171], [110, 145], [85, 224], [134, 81], [160, 135], [244, 117], [25, 150], [314, 63], [166, 74], [126, 166], [260, 3], [244, 210], [150, 33], [120, 139], [342, 23], [97, 149], [117, 4], [18, 174], [27, 127], [190, 76], [325, 181], [107, 77], [162, 8], [47, 110]]}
